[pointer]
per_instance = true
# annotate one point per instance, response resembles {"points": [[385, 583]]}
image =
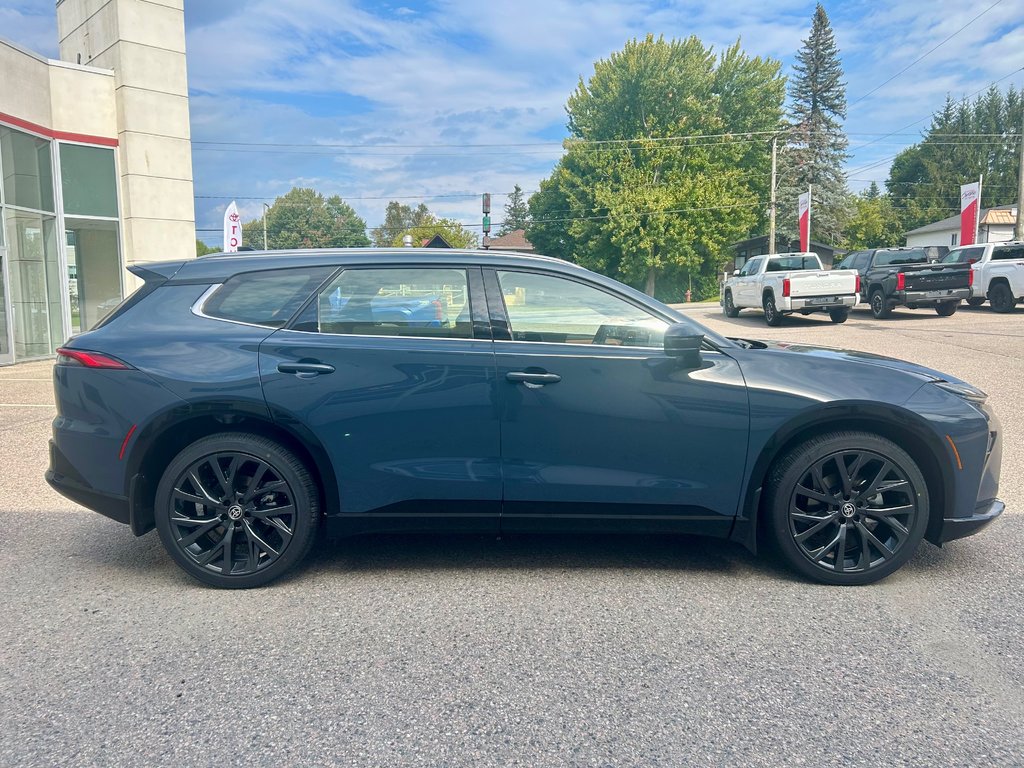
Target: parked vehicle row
{"points": [[893, 277], [998, 270]]}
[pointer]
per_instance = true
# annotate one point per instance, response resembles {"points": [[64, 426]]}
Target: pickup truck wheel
{"points": [[839, 315], [975, 301], [772, 316], [879, 306], [847, 507], [731, 310], [946, 308], [1001, 298]]}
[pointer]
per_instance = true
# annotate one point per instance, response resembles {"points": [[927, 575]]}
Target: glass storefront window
{"points": [[88, 180], [94, 270], [27, 172], [35, 283]]}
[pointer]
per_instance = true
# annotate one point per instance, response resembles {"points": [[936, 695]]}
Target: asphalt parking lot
{"points": [[447, 651]]}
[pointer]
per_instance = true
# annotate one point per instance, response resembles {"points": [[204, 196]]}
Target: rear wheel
{"points": [[772, 316], [975, 301], [879, 306], [946, 308], [731, 310], [839, 315], [1000, 298], [847, 507], [236, 510]]}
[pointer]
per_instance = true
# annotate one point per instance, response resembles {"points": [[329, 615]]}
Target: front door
{"points": [[393, 377], [6, 331], [598, 423]]}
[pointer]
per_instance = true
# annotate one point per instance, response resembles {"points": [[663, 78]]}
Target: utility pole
{"points": [[771, 204], [1018, 232], [266, 209]]}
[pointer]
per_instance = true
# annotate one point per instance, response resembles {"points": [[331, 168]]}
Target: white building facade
{"points": [[996, 225], [95, 167]]}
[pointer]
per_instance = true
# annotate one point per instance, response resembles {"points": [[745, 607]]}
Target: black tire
{"points": [[975, 301], [730, 308], [239, 502], [772, 316], [847, 530], [839, 315], [1000, 298], [947, 308], [879, 306]]}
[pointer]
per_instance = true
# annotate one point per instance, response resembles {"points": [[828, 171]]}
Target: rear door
{"points": [[391, 370]]}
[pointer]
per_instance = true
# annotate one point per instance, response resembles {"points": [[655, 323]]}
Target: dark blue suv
{"points": [[240, 404]]}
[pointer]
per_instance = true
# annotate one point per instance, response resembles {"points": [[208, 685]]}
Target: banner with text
{"points": [[970, 199], [804, 215], [232, 229]]}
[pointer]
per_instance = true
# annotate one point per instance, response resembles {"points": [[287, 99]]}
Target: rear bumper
{"points": [[959, 527], [66, 481], [808, 303], [931, 297]]}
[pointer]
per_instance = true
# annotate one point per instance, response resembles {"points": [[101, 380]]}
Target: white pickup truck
{"points": [[998, 273], [785, 283]]}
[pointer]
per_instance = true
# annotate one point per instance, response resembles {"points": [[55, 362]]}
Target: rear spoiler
{"points": [[159, 271]]}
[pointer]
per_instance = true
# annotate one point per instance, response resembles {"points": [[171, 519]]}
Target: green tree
{"points": [[517, 213], [456, 235], [815, 151], [304, 218], [202, 248], [653, 185], [873, 223], [399, 217]]}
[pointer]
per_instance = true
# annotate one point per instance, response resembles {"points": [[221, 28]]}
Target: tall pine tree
{"points": [[517, 213], [816, 148]]}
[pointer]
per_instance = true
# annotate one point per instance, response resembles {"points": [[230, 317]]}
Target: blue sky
{"points": [[394, 80]]}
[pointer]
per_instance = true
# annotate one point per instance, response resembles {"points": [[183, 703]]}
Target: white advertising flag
{"points": [[232, 229]]}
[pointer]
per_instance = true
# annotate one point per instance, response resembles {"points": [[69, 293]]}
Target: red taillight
{"points": [[785, 286], [970, 278], [88, 359], [857, 289], [901, 282]]}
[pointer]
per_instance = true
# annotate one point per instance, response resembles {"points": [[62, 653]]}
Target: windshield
{"points": [[908, 256]]}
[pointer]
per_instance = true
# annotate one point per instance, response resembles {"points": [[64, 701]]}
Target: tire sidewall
{"points": [[878, 305], [791, 469], [771, 317], [284, 463], [1000, 298]]}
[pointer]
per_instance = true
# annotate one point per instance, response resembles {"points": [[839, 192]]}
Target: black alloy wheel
{"points": [[839, 315], [1000, 298], [946, 308], [729, 306], [772, 316], [975, 301], [879, 306], [848, 508], [236, 510]]}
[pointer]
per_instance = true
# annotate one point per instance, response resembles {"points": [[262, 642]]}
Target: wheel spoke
{"points": [[865, 548], [803, 490], [204, 527], [822, 522], [840, 564], [256, 539], [254, 483], [894, 524], [191, 498], [214, 464], [872, 487], [198, 485], [819, 554], [271, 512], [867, 536], [229, 545], [819, 480], [906, 509]]}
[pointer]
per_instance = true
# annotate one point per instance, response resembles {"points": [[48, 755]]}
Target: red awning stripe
{"points": [[84, 138]]}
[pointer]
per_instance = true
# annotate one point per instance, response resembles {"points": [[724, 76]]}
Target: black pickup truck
{"points": [[891, 277]]}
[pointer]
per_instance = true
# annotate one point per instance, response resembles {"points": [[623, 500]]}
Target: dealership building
{"points": [[96, 168]]}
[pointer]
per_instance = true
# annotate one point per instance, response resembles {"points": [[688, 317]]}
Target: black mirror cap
{"points": [[681, 342]]}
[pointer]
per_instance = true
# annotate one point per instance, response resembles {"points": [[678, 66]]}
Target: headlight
{"points": [[966, 391]]}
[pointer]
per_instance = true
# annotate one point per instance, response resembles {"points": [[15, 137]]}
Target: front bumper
{"points": [[959, 527]]}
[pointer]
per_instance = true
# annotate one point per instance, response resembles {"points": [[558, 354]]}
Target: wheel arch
{"points": [[903, 427], [165, 437]]}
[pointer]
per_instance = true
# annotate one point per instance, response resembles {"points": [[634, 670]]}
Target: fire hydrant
{"points": [[687, 294]]}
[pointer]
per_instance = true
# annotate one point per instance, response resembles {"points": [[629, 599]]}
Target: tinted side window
{"points": [[267, 298], [909, 256], [1008, 252], [750, 267], [432, 301], [556, 310], [853, 260]]}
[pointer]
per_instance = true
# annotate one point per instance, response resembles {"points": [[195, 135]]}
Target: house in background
{"points": [[996, 226], [756, 246], [513, 241]]}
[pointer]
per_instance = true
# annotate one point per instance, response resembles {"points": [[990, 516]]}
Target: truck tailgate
{"points": [[936, 277], [839, 283]]}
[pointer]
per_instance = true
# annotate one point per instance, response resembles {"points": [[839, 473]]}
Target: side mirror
{"points": [[682, 344], [735, 273]]}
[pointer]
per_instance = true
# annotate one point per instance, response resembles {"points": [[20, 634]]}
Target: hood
{"points": [[853, 356]]}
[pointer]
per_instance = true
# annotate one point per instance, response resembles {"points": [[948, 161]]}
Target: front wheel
{"points": [[1000, 298], [839, 315], [879, 306], [847, 507], [772, 316], [946, 308], [731, 310], [236, 510]]}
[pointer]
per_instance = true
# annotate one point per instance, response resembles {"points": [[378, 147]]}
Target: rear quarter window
{"points": [[268, 298]]}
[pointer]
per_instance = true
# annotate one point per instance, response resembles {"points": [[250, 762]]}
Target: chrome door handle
{"points": [[531, 379], [305, 369]]}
